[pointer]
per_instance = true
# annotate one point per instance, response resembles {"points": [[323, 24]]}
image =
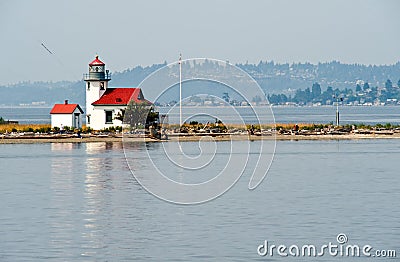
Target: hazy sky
{"points": [[130, 33]]}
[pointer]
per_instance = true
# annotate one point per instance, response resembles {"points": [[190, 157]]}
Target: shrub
{"points": [[27, 129]]}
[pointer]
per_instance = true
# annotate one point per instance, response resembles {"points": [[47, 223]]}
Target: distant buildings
{"points": [[367, 96]]}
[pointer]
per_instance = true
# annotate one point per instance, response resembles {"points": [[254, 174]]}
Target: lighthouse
{"points": [[96, 85], [105, 106]]}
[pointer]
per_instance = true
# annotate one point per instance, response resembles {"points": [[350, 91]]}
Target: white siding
{"points": [[98, 117], [92, 95], [58, 120]]}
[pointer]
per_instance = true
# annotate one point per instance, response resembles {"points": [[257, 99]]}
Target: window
{"points": [[101, 85], [108, 117], [88, 86], [88, 120]]}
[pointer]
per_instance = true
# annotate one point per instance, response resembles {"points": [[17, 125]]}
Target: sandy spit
{"points": [[92, 139]]}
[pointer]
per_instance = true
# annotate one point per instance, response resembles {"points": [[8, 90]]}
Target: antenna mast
{"points": [[180, 89]]}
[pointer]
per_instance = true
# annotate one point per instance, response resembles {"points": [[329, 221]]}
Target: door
{"points": [[76, 120]]}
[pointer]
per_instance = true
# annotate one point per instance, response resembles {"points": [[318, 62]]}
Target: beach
{"points": [[186, 137]]}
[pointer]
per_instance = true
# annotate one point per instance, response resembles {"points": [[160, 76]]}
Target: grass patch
{"points": [[37, 128]]}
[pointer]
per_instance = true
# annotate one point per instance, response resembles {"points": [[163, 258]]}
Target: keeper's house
{"points": [[63, 115]]}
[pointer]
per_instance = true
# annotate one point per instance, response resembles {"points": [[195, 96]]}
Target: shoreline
{"points": [[190, 138]]}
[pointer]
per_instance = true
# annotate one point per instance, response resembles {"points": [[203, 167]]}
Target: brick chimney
{"points": [[65, 102]]}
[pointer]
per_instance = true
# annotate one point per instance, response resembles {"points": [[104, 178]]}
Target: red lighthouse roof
{"points": [[97, 61]]}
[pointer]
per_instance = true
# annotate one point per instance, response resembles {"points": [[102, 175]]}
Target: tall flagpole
{"points": [[180, 90], [337, 111]]}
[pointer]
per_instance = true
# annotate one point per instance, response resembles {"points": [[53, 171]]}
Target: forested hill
{"points": [[272, 77]]}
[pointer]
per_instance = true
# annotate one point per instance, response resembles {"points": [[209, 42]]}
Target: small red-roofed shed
{"points": [[66, 114]]}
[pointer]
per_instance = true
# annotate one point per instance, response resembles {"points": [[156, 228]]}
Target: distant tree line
{"points": [[362, 94]]}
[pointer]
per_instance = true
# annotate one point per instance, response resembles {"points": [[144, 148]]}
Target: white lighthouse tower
{"points": [[96, 85]]}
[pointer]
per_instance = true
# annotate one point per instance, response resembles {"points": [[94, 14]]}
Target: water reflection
{"points": [[65, 195], [65, 147], [84, 178], [102, 179], [95, 197]]}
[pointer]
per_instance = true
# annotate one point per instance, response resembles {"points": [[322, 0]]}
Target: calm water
{"points": [[79, 202], [348, 114]]}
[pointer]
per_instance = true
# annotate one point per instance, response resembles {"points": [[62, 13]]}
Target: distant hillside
{"points": [[48, 92], [272, 77], [57, 92], [133, 77], [276, 78]]}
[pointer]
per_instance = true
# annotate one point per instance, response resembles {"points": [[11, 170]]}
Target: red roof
{"points": [[97, 61], [120, 96], [65, 109]]}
